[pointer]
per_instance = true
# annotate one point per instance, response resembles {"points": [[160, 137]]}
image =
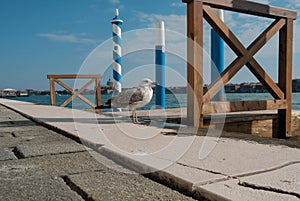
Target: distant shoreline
{"points": [[246, 87]]}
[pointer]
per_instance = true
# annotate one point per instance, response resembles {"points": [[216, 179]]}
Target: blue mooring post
{"points": [[117, 52], [217, 56], [160, 61]]}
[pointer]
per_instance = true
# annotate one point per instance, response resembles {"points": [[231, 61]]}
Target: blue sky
{"points": [[55, 37]]}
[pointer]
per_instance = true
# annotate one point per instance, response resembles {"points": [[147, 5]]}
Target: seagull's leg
{"points": [[132, 115], [136, 121]]}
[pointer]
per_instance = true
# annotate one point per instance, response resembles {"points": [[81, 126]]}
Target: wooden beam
{"points": [[240, 50], [76, 93], [98, 94], [249, 7], [285, 77], [74, 76], [52, 92], [64, 86], [237, 106], [194, 63], [265, 79], [86, 101], [238, 63]]}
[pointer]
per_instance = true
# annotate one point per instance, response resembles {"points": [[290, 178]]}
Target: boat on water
{"points": [[22, 93], [8, 93]]}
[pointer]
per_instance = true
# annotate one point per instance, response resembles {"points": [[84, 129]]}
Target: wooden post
{"points": [[195, 63], [285, 78], [52, 91], [98, 93]]}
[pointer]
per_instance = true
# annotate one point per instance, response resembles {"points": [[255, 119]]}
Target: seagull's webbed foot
{"points": [[135, 118], [136, 121]]}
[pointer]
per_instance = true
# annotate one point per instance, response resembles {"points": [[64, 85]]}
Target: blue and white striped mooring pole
{"points": [[160, 60], [117, 52], [217, 55]]}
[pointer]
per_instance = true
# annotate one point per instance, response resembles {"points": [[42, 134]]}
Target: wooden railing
{"points": [[92, 79], [199, 100]]}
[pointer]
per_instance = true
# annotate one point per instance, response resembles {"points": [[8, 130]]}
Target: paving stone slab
{"points": [[44, 188], [111, 185], [231, 190], [236, 157], [9, 142], [5, 134], [6, 154], [43, 138], [35, 131], [20, 128], [48, 148], [286, 179], [50, 165]]}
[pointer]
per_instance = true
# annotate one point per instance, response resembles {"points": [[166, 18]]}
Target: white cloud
{"points": [[178, 5], [172, 22], [114, 1], [71, 38]]}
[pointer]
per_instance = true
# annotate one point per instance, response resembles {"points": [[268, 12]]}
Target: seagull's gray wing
{"points": [[137, 96], [123, 99]]}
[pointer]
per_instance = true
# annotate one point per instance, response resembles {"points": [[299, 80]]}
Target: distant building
{"points": [[231, 88], [296, 85], [246, 88], [259, 88]]}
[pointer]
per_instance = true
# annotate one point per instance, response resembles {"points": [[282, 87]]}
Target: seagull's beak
{"points": [[154, 83]]}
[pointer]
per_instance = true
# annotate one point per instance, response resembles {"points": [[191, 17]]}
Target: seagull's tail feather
{"points": [[107, 104]]}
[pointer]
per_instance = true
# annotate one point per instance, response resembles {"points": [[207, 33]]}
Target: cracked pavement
{"points": [[40, 164], [239, 167]]}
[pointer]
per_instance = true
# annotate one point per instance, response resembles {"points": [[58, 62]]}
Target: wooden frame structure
{"points": [[93, 78], [199, 100]]}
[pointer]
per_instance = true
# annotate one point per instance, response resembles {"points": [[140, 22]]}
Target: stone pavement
{"points": [[201, 163], [40, 164]]}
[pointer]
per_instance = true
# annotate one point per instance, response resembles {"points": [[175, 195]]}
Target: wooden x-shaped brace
{"points": [[245, 56], [76, 93]]}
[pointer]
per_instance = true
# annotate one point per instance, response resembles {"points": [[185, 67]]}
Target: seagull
{"points": [[132, 98]]}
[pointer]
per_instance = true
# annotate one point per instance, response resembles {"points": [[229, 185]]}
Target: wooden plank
{"points": [[238, 63], [285, 77], [264, 37], [64, 104], [76, 93], [52, 92], [220, 27], [249, 7], [98, 94], [194, 63], [86, 101], [237, 106], [74, 76], [265, 79], [64, 86], [240, 50]]}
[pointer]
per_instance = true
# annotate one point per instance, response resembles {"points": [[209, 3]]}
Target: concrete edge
{"points": [[49, 126]]}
